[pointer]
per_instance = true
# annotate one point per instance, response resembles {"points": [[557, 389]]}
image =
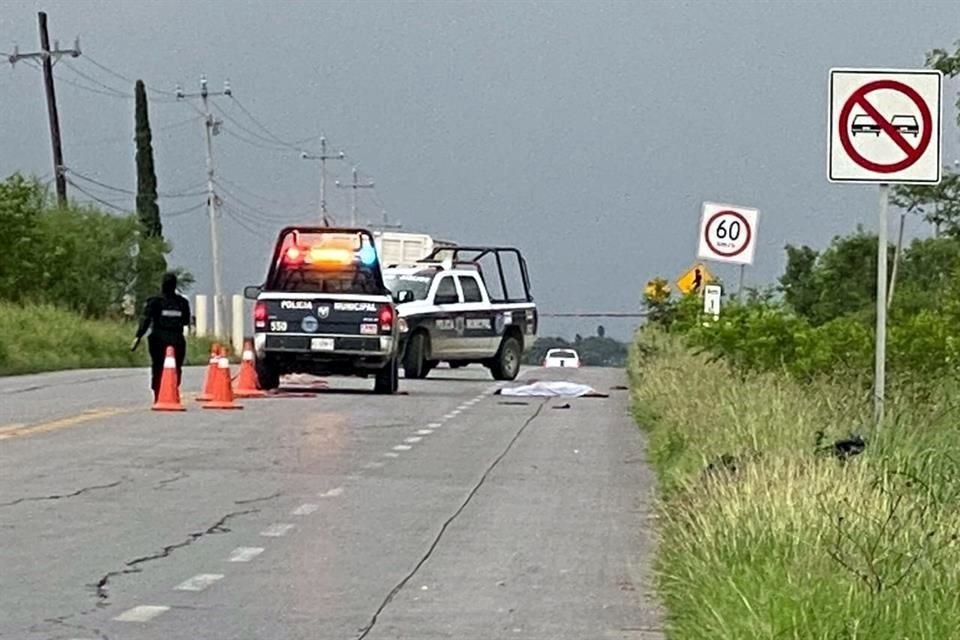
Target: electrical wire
{"points": [[86, 57], [273, 143], [246, 192], [96, 82], [295, 144], [161, 194], [254, 211], [93, 90], [101, 201], [182, 212], [243, 222]]}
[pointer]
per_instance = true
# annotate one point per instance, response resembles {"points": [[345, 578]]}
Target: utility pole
{"points": [[323, 157], [46, 56], [353, 195], [212, 128]]}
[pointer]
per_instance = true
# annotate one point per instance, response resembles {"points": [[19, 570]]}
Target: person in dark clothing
{"points": [[166, 316]]}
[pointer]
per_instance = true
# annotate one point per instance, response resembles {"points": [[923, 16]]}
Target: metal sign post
{"points": [[880, 370]]}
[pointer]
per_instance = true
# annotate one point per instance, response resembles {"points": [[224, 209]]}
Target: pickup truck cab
{"points": [[324, 309], [451, 316]]}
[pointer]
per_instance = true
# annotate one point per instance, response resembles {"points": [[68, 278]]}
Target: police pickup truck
{"points": [[324, 309], [460, 306]]}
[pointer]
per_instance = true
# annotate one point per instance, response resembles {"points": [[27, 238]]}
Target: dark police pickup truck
{"points": [[324, 309]]}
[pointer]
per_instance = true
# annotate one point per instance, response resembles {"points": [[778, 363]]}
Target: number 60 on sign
{"points": [[728, 233]]}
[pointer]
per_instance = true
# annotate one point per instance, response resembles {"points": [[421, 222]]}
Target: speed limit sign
{"points": [[728, 233]]}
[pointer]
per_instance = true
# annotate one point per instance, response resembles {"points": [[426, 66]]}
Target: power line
{"points": [[105, 203], [181, 212], [280, 147], [276, 138], [127, 79], [254, 209], [93, 80], [160, 194], [253, 195], [110, 94]]}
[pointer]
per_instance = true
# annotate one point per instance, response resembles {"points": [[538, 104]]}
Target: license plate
{"points": [[369, 329], [321, 344]]}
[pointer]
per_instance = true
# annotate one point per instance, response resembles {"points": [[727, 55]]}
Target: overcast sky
{"points": [[586, 133]]}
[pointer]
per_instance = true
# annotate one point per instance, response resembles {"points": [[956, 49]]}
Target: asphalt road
{"points": [[445, 512]]}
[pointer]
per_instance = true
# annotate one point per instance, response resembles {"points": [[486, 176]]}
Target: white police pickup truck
{"points": [[459, 306]]}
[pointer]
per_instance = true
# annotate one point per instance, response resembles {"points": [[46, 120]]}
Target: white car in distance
{"points": [[566, 358]]}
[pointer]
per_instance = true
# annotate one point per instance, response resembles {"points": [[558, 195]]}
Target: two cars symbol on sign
{"points": [[884, 126]]}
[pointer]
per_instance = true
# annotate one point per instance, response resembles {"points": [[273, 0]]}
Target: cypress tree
{"points": [[147, 209]]}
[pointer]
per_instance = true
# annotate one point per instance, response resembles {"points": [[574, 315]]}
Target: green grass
{"points": [[35, 338], [794, 545]]}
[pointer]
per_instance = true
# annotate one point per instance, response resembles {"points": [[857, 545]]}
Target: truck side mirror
{"points": [[252, 292], [404, 295]]}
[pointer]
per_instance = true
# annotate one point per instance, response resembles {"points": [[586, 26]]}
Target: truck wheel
{"points": [[267, 375], [415, 363], [506, 364], [387, 381]]}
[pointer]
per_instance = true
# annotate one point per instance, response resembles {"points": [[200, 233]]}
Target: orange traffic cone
{"points": [[211, 375], [247, 384], [168, 399], [222, 391]]}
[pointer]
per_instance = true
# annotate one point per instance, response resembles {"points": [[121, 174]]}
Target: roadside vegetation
{"points": [[72, 281], [785, 511]]}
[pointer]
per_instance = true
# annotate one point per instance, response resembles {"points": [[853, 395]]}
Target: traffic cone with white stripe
{"points": [[211, 374], [248, 386], [168, 398], [222, 390]]}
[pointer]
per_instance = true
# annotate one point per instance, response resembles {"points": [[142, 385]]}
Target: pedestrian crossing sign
{"points": [[694, 279]]}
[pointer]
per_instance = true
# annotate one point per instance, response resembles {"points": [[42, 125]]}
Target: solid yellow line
{"points": [[17, 431]]}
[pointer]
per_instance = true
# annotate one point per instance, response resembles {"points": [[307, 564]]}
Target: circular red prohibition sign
{"points": [[748, 232], [859, 97]]}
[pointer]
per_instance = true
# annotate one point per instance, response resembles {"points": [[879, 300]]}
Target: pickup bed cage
{"points": [[470, 257]]}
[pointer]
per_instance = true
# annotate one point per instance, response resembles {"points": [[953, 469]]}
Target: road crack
{"points": [[180, 476], [365, 631], [102, 586], [272, 496], [62, 496]]}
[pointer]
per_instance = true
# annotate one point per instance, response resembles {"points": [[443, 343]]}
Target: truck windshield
{"points": [[316, 262], [418, 284]]}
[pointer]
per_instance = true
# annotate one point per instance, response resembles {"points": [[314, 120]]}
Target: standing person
{"points": [[166, 316]]}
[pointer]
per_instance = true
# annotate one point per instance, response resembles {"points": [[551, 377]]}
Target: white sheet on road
{"points": [[548, 389]]}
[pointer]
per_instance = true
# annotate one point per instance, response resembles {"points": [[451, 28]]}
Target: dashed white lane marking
{"points": [[391, 454], [143, 613], [373, 465], [453, 414], [276, 530], [413, 439], [333, 493], [434, 425], [245, 554], [402, 447], [424, 432], [199, 582], [305, 509]]}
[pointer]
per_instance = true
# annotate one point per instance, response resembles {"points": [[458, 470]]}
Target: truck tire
{"points": [[267, 375], [506, 364], [415, 363], [388, 379]]}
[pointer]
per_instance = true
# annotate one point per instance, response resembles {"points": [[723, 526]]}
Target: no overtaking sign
{"points": [[884, 126]]}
